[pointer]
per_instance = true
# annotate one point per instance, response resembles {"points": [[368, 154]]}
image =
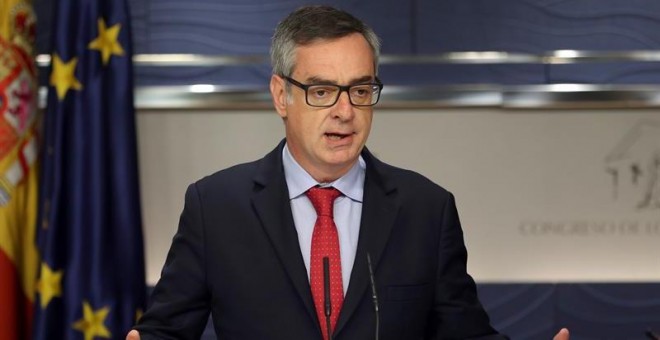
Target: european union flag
{"points": [[91, 283]]}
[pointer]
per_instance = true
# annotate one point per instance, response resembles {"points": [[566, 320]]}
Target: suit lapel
{"points": [[379, 211], [271, 202]]}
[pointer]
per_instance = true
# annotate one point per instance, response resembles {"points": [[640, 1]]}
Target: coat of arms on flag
{"points": [[17, 98]]}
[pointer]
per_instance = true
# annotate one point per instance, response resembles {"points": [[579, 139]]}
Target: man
{"points": [[274, 252]]}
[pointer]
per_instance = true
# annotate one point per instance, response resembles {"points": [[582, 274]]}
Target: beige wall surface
{"points": [[544, 196]]}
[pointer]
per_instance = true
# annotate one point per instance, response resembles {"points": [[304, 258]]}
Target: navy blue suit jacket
{"points": [[236, 255]]}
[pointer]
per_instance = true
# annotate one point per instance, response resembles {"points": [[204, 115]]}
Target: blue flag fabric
{"points": [[91, 283]]}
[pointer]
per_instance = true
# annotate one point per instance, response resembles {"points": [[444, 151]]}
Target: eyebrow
{"points": [[320, 81]]}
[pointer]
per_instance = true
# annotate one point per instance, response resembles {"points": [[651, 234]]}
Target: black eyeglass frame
{"points": [[342, 88]]}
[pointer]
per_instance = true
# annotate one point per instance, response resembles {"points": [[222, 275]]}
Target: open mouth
{"points": [[337, 136]]}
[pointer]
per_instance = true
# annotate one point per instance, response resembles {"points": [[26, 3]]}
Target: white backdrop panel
{"points": [[549, 196]]}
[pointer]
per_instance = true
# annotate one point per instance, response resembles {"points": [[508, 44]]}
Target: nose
{"points": [[344, 110]]}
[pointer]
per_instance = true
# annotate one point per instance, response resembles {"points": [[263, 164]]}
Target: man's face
{"points": [[326, 142]]}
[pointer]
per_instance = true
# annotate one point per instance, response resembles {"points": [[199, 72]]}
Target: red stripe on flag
{"points": [[15, 309]]}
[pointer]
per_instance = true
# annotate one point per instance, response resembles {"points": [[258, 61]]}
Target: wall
{"points": [[544, 196]]}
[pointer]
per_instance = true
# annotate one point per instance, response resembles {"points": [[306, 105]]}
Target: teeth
{"points": [[335, 137]]}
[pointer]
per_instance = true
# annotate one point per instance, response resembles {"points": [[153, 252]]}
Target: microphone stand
{"points": [[326, 295], [374, 295]]}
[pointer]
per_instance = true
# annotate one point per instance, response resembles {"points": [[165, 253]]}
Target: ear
{"points": [[278, 92]]}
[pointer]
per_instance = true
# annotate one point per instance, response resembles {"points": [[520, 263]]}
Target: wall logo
{"points": [[634, 166]]}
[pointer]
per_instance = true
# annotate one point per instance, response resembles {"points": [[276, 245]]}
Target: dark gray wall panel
{"points": [[537, 26], [417, 27]]}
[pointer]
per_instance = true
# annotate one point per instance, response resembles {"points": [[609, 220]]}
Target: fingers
{"points": [[133, 335], [562, 335]]}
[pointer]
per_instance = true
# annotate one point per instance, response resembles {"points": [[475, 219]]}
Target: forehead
{"points": [[338, 59]]}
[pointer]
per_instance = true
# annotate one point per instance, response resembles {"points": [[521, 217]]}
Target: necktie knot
{"points": [[323, 199]]}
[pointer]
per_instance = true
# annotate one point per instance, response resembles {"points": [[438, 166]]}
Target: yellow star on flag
{"points": [[92, 323], [63, 77], [49, 285], [106, 42]]}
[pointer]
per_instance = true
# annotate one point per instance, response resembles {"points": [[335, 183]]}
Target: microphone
{"points": [[326, 295], [374, 295]]}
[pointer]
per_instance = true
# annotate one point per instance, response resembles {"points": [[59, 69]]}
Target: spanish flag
{"points": [[18, 169]]}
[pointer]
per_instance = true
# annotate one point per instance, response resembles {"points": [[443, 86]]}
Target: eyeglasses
{"points": [[326, 95]]}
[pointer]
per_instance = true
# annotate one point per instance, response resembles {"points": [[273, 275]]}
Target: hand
{"points": [[135, 335], [561, 335]]}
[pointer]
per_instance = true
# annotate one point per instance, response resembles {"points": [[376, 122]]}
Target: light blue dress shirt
{"points": [[347, 210]]}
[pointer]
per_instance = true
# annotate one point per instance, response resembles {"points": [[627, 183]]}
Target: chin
{"points": [[343, 160]]}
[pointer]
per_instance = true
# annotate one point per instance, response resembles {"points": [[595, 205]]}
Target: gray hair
{"points": [[309, 24]]}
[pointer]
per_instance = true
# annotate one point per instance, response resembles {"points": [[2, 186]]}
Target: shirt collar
{"points": [[299, 181]]}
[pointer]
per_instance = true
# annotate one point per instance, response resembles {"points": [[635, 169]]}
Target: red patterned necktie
{"points": [[325, 243]]}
